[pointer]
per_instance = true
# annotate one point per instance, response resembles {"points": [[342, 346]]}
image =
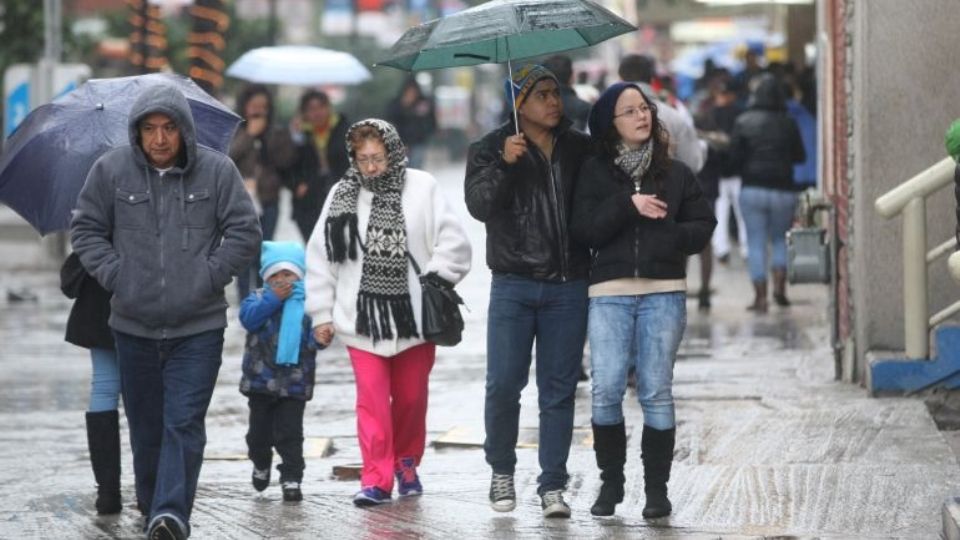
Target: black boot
{"points": [[610, 445], [657, 454], [103, 440]]}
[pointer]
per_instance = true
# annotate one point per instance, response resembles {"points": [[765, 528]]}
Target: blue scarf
{"points": [[291, 327]]}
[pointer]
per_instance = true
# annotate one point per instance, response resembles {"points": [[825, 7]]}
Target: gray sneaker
{"points": [[553, 504], [503, 496]]}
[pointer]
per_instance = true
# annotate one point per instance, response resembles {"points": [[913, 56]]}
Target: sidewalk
{"points": [[769, 445]]}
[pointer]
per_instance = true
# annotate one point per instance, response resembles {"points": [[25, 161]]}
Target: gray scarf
{"points": [[635, 161], [384, 290]]}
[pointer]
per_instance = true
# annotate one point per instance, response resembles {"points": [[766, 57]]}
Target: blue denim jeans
{"points": [[767, 214], [167, 386], [105, 382], [643, 331], [555, 315]]}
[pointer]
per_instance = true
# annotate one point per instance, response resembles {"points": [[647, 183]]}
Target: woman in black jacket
{"points": [[87, 327], [764, 146], [641, 213]]}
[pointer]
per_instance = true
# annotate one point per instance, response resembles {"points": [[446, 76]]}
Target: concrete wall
{"points": [[906, 84]]}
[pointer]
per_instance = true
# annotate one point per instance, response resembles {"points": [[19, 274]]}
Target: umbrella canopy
{"points": [[298, 65], [505, 30], [46, 160]]}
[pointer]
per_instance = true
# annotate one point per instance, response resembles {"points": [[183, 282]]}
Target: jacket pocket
{"points": [[199, 209], [132, 209]]}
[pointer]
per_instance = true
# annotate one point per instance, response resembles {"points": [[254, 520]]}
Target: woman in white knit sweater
{"points": [[361, 287]]}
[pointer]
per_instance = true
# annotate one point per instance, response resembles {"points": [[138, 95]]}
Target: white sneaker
{"points": [[553, 504], [503, 496]]}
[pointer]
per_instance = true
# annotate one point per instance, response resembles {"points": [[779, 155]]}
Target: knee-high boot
{"points": [[657, 455], [610, 446], [103, 440]]}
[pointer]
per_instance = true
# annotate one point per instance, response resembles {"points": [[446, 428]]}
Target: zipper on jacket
{"points": [[637, 186], [163, 273], [556, 192]]}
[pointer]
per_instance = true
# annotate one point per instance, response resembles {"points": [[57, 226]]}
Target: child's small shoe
{"points": [[408, 482], [260, 478], [371, 496], [291, 492]]}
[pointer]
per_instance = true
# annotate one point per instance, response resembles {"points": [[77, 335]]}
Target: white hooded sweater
{"points": [[435, 238]]}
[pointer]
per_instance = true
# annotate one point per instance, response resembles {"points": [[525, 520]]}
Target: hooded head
{"points": [[166, 100], [523, 79], [769, 94], [383, 132], [277, 256], [601, 114]]}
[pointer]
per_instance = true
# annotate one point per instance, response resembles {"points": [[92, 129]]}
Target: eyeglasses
{"points": [[375, 160], [634, 112]]}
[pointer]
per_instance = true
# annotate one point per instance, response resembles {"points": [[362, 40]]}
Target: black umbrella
{"points": [[46, 160]]}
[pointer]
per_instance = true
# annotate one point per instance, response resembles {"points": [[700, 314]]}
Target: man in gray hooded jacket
{"points": [[164, 224]]}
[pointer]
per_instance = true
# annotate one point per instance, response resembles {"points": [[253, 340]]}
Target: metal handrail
{"points": [[922, 185], [910, 199]]}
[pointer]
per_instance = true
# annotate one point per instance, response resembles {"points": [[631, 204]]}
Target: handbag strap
{"points": [[416, 267]]}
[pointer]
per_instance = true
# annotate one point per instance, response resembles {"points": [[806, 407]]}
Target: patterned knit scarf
{"points": [[384, 290], [635, 161]]}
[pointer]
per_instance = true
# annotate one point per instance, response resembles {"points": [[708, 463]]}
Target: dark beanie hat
{"points": [[601, 115]]}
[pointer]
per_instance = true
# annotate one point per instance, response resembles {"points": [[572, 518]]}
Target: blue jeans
{"points": [[167, 386], [105, 382], [767, 214], [643, 331], [555, 314]]}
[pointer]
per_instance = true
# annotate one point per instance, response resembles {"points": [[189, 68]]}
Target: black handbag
{"points": [[440, 309]]}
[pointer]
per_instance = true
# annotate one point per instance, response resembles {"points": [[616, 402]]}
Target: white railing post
{"points": [[915, 313]]}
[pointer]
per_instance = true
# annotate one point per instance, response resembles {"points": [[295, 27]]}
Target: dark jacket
{"points": [[306, 170], [956, 192], [165, 246], [717, 120], [260, 315], [526, 206], [416, 123], [766, 142], [87, 324], [263, 159], [574, 108], [625, 244]]}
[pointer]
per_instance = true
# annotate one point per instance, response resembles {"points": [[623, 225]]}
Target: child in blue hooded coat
{"points": [[279, 363]]}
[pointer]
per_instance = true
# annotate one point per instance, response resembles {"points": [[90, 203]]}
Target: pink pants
{"points": [[391, 409]]}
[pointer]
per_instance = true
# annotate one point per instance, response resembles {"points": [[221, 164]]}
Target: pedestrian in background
{"points": [[574, 108], [521, 187], [360, 285], [164, 224], [641, 213], [87, 327], [414, 116], [764, 146], [279, 366], [321, 158], [261, 152]]}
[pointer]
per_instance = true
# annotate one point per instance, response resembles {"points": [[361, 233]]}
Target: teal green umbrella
{"points": [[505, 30]]}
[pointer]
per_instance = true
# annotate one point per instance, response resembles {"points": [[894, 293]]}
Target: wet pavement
{"points": [[769, 445]]}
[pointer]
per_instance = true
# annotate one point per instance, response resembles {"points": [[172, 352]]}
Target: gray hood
{"points": [[168, 100]]}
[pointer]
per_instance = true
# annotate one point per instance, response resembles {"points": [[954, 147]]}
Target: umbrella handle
{"points": [[513, 93]]}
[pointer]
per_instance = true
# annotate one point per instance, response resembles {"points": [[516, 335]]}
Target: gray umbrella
{"points": [[46, 160]]}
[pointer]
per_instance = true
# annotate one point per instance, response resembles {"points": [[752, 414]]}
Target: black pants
{"points": [[276, 423]]}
